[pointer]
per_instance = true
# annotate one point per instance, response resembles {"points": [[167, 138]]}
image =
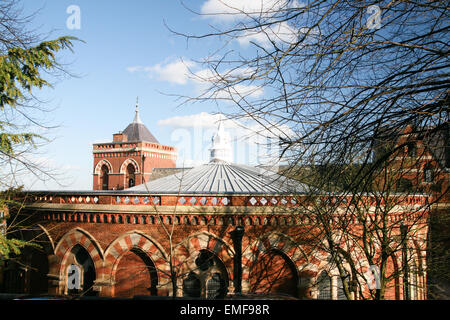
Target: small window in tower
{"points": [[104, 177], [131, 175]]}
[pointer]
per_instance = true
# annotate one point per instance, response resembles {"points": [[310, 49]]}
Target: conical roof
{"points": [[222, 178], [137, 131]]}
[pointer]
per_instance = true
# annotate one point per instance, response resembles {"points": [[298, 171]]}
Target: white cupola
{"points": [[221, 146]]}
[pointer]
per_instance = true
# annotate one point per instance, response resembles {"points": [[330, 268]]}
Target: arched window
{"points": [[104, 177], [131, 175], [324, 286]]}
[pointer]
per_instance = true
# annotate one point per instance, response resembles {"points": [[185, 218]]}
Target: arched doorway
{"points": [[274, 273], [104, 178], [80, 272], [135, 275]]}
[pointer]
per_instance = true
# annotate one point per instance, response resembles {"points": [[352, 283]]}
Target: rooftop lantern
{"points": [[221, 146]]}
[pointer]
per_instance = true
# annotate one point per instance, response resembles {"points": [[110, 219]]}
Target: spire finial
{"points": [[137, 119]]}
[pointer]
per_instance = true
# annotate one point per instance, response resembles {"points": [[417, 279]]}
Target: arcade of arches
{"points": [[85, 260]]}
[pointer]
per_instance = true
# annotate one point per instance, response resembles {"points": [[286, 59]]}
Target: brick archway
{"points": [[98, 167], [123, 167], [135, 240], [187, 250], [57, 262]]}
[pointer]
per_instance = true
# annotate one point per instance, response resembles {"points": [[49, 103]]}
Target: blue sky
{"points": [[127, 52]]}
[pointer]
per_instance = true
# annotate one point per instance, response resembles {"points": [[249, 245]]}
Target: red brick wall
{"points": [[261, 279]]}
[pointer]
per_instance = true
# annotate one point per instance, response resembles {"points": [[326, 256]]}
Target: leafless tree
{"points": [[348, 78]]}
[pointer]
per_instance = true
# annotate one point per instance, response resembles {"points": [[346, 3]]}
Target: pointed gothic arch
{"points": [[187, 250], [101, 163], [130, 170], [124, 166], [189, 253], [59, 262], [286, 256], [103, 170], [149, 250]]}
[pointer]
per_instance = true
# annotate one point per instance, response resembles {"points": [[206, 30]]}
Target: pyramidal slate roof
{"points": [[222, 178], [137, 131]]}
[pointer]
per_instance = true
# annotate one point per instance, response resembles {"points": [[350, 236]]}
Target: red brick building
{"points": [[420, 160], [177, 235], [421, 163], [130, 158]]}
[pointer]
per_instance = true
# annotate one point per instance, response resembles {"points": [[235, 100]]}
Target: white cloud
{"points": [[174, 72], [203, 120], [232, 11], [183, 72], [252, 143], [247, 128], [229, 10], [134, 69]]}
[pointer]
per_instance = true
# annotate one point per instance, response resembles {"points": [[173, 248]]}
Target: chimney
{"points": [[120, 137]]}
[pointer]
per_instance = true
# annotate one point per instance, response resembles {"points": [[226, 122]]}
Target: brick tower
{"points": [[130, 158]]}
